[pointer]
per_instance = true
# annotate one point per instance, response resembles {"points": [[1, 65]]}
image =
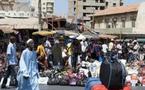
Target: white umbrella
{"points": [[73, 36], [66, 33], [81, 37]]}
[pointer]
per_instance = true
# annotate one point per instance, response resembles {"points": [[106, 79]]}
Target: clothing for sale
{"points": [[94, 68], [84, 45], [104, 48], [28, 71]]}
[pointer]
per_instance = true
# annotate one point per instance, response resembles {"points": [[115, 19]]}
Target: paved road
{"points": [[46, 87]]}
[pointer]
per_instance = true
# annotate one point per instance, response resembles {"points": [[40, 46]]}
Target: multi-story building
{"points": [[122, 20], [22, 5], [6, 4], [83, 8], [15, 8], [47, 7]]}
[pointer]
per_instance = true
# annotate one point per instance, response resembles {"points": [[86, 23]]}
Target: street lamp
{"points": [[40, 15]]}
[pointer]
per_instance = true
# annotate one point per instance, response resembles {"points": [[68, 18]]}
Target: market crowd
{"points": [[71, 54]]}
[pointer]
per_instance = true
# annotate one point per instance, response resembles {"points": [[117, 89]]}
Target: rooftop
{"points": [[118, 10]]}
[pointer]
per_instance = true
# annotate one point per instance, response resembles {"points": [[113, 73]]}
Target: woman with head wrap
{"points": [[28, 69]]}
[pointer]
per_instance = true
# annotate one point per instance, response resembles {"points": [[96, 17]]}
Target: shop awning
{"points": [[7, 29], [105, 36]]}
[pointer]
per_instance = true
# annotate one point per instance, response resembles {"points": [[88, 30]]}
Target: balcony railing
{"points": [[90, 3], [115, 30], [7, 1]]}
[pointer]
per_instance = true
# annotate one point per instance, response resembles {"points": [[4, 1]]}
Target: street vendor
{"points": [[41, 57]]}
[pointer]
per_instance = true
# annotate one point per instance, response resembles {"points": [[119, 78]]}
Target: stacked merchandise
{"points": [[67, 77]]}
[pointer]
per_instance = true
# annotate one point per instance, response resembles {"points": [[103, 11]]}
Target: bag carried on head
{"points": [[113, 74]]}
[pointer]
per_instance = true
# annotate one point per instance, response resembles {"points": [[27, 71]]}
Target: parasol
{"points": [[66, 33], [44, 33]]}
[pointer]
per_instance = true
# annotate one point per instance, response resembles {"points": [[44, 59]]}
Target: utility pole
{"points": [[77, 8], [40, 15]]}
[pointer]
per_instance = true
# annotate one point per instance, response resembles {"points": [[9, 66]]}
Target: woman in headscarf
{"points": [[28, 69]]}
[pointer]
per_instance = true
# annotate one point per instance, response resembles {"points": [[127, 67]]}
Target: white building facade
{"points": [[83, 8], [47, 7], [125, 20], [15, 8]]}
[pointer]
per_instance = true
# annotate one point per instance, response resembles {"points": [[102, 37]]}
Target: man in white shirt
{"points": [[104, 48], [12, 62]]}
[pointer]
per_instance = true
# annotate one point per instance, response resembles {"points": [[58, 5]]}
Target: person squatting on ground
{"points": [[28, 69]]}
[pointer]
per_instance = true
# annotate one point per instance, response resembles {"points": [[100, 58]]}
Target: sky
{"points": [[61, 6]]}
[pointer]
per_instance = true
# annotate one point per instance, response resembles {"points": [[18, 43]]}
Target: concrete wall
{"points": [[102, 24], [140, 23], [91, 7]]}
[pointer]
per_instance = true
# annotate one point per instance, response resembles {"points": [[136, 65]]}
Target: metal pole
{"points": [[52, 23], [93, 26], [40, 15], [77, 9]]}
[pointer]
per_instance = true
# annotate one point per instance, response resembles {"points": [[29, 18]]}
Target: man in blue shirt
{"points": [[11, 61]]}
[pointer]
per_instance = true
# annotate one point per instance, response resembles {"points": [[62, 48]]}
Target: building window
{"points": [[114, 22], [15, 14], [107, 23], [121, 4], [123, 24], [99, 23], [123, 19], [44, 8], [133, 23], [114, 4], [74, 9], [106, 4], [84, 0], [102, 1], [84, 14], [74, 2], [96, 8], [97, 1], [102, 8], [43, 3], [84, 7], [21, 14], [133, 20]]}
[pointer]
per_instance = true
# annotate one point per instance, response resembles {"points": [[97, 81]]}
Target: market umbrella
{"points": [[105, 36], [44, 33], [66, 33], [90, 35], [7, 29], [73, 36], [81, 37]]}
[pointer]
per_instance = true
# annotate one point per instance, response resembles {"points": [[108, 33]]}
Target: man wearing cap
{"points": [[28, 69], [11, 61]]}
